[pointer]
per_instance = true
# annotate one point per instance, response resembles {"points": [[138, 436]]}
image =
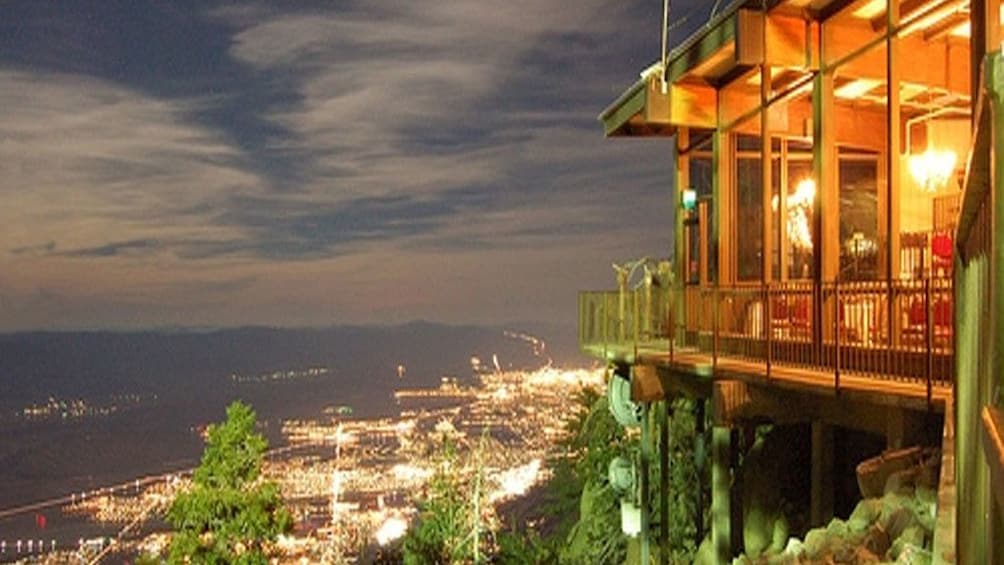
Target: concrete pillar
{"points": [[721, 483], [821, 502]]}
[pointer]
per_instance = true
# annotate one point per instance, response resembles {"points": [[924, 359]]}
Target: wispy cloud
{"points": [[365, 143], [87, 163]]}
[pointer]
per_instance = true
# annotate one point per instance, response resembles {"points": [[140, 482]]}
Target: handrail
{"points": [[773, 324]]}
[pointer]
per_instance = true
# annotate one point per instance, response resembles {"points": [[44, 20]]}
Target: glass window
{"points": [[749, 208], [858, 178], [799, 201]]}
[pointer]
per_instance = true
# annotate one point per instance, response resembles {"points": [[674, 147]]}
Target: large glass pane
{"points": [[749, 208], [858, 178], [701, 177], [798, 209]]}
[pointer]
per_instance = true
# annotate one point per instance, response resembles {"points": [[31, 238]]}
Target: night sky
{"points": [[188, 164]]}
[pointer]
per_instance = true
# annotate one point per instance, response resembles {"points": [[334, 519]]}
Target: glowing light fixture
{"points": [[856, 88], [689, 199], [799, 206], [870, 10], [932, 168]]}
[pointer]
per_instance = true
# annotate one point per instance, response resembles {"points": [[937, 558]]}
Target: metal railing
{"points": [[614, 325], [901, 330]]}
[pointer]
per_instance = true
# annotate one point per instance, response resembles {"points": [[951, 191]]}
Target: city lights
{"points": [[352, 483]]}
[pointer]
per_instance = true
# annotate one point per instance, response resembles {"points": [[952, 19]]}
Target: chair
{"points": [[941, 253]]}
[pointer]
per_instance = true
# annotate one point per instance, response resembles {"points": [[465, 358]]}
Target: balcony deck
{"points": [[801, 342]]}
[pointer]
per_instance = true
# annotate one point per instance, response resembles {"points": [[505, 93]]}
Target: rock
{"points": [[780, 535], [837, 528], [758, 529], [873, 473], [705, 552], [913, 555], [876, 540], [862, 555], [911, 536], [895, 522], [815, 542], [925, 507], [864, 515], [902, 482], [773, 466], [793, 547]]}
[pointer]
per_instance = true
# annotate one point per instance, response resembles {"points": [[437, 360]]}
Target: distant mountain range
{"points": [[37, 365]]}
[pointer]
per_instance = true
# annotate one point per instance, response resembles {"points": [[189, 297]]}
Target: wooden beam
{"points": [[766, 249], [704, 47], [749, 37], [926, 64], [692, 105], [790, 42]]}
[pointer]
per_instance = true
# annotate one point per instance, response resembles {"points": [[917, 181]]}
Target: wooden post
{"points": [[682, 247], [821, 501], [826, 205], [892, 174]]}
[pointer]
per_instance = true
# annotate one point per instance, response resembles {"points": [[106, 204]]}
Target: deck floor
{"points": [[880, 388]]}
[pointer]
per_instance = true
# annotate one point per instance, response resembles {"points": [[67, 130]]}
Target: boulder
{"points": [[705, 552], [876, 540], [773, 465], [897, 521], [865, 514], [816, 543], [912, 536], [913, 555], [862, 555]]}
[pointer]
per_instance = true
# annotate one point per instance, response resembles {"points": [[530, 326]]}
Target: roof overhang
{"points": [[683, 93], [639, 111], [653, 108]]}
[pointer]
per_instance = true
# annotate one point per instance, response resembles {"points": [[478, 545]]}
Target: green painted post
{"points": [[721, 479], [646, 455], [664, 418], [993, 376], [699, 460]]}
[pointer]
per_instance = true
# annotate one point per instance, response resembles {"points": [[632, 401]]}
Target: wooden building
{"points": [[838, 228]]}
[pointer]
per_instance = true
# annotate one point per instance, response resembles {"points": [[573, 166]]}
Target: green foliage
{"points": [[229, 515], [447, 517], [597, 536], [682, 488], [526, 548]]}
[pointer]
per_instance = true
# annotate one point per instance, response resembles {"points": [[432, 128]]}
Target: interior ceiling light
{"points": [[870, 10], [855, 88], [962, 30], [932, 168]]}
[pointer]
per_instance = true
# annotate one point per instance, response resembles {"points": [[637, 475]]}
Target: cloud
{"points": [[113, 249], [86, 162], [443, 146], [413, 103], [40, 249]]}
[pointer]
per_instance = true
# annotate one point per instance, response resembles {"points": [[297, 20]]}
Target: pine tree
{"points": [[229, 515]]}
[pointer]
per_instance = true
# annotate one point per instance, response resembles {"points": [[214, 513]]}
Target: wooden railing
{"points": [[901, 329]]}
